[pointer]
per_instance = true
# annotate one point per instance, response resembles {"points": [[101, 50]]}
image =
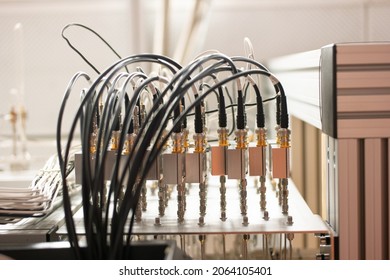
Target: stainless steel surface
{"points": [[304, 220]]}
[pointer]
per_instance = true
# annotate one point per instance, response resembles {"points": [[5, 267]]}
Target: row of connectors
{"points": [[245, 160], [174, 160], [180, 165]]}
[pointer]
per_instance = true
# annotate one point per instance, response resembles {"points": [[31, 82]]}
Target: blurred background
{"points": [[179, 29]]}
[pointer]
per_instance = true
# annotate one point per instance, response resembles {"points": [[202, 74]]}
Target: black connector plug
{"points": [[198, 122], [222, 117], [278, 110], [241, 117], [176, 116], [284, 118], [260, 118], [117, 121]]}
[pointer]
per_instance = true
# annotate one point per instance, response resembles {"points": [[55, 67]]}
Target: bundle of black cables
{"points": [[109, 106]]}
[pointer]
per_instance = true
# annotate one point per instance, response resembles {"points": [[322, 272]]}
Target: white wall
{"points": [[49, 62], [282, 27]]}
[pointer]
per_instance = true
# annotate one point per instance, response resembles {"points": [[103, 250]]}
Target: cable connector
{"points": [[92, 144], [196, 162], [277, 140], [261, 137], [284, 137], [223, 137], [163, 140], [177, 143], [241, 139], [115, 140], [129, 143], [199, 139], [136, 121], [186, 142]]}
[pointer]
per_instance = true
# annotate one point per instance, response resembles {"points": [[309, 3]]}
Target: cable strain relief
{"points": [[241, 117], [130, 130], [222, 119], [177, 128], [241, 121], [184, 122], [278, 110], [176, 115], [198, 123], [284, 121], [117, 123], [260, 119]]}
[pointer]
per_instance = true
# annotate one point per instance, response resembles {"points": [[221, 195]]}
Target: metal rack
{"points": [[300, 219]]}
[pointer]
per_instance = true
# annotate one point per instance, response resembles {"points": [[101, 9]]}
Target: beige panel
{"points": [[333, 184], [350, 235], [305, 168], [297, 165], [365, 53], [323, 176], [311, 173], [363, 79], [363, 103], [363, 128], [375, 204]]}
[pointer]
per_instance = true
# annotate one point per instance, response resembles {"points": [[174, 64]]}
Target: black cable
{"points": [[164, 111], [132, 189], [270, 99], [148, 143], [63, 162], [88, 95], [200, 98], [127, 122], [260, 118], [250, 61], [131, 194], [222, 117], [233, 128], [278, 101], [241, 116], [204, 73], [284, 118], [198, 122], [79, 53]]}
